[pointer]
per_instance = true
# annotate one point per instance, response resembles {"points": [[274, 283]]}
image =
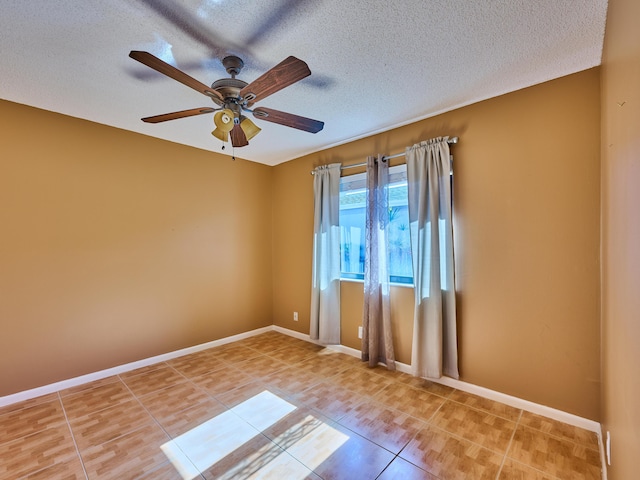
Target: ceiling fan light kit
{"points": [[234, 96]]}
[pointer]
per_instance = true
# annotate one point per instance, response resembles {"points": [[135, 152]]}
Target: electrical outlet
{"points": [[359, 332], [295, 316]]}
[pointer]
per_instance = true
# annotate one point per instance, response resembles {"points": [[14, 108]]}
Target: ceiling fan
{"points": [[233, 97]]}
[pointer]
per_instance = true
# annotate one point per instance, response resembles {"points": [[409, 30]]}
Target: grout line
{"points": [[506, 452], [73, 437]]}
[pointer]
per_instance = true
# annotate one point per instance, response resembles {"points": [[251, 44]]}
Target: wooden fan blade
{"points": [[288, 119], [238, 138], [176, 115], [172, 72], [287, 72]]}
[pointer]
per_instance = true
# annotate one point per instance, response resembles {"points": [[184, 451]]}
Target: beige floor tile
{"points": [[413, 401], [51, 397], [292, 379], [177, 423], [222, 381], [153, 380], [331, 400], [127, 457], [381, 370], [489, 406], [449, 457], [36, 451], [554, 456], [95, 399], [264, 410], [322, 366], [291, 355], [89, 385], [234, 354], [400, 469], [258, 459], [142, 370], [385, 426], [361, 381], [334, 452], [261, 366], [210, 443], [479, 427], [108, 424], [32, 419], [512, 470], [424, 384], [173, 399], [67, 470], [167, 472], [559, 429], [197, 364], [266, 343], [231, 398]]}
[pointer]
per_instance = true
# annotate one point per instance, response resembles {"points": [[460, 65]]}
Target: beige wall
{"points": [[527, 196], [621, 236], [116, 247]]}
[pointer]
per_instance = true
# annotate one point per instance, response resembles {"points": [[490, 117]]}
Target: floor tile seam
{"points": [[32, 402], [403, 412], [85, 387], [160, 389], [56, 424], [86, 391], [546, 474], [73, 437], [423, 390], [109, 405], [156, 365], [153, 420], [443, 399], [148, 475], [504, 457], [482, 410], [435, 477], [595, 448], [259, 375], [184, 409], [460, 437], [386, 466], [292, 363], [378, 444], [373, 441]]}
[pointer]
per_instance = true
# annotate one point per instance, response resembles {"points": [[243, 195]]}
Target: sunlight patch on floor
{"points": [[308, 443]]}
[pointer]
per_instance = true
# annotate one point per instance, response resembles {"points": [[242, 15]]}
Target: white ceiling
{"points": [[375, 64]]}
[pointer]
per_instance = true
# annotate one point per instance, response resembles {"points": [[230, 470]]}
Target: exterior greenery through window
{"points": [[352, 220]]}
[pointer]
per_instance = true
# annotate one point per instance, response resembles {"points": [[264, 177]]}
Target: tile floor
{"points": [[272, 406]]}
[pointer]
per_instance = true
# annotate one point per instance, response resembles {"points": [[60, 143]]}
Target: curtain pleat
{"points": [[435, 350], [325, 289], [377, 341]]}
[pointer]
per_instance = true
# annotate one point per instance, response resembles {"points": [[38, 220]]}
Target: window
{"points": [[352, 220]]}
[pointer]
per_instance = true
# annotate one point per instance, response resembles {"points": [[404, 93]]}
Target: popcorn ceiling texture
{"points": [[375, 64]]}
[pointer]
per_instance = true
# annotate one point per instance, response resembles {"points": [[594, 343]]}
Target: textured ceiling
{"points": [[375, 64]]}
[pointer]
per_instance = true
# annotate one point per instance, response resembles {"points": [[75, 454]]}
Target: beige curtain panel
{"points": [[325, 285], [435, 347]]}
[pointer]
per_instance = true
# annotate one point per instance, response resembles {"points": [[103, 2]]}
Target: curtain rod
{"points": [[451, 141]]}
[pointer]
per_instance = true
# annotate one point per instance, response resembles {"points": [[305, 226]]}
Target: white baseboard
{"points": [[512, 401], [91, 377], [466, 387]]}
